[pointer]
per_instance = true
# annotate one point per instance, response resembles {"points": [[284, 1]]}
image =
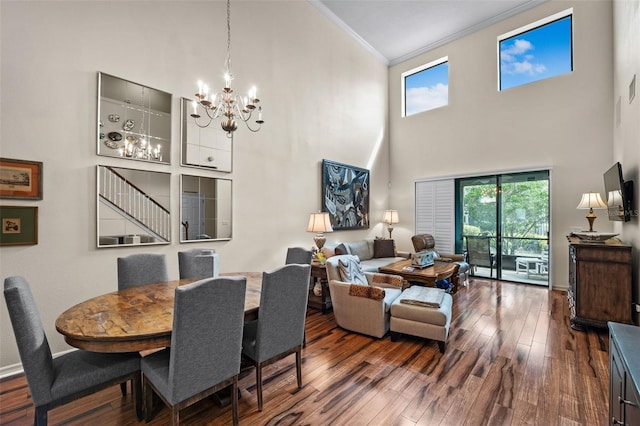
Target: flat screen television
{"points": [[618, 194]]}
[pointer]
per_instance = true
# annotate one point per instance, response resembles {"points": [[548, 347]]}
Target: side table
{"points": [[319, 275]]}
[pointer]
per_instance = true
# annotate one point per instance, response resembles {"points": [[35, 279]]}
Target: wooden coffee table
{"points": [[427, 276]]}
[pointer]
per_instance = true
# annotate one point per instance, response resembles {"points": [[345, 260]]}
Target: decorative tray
{"points": [[593, 236]]}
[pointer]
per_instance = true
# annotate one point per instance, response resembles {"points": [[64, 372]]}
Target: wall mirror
{"points": [[134, 121], [207, 147], [205, 208], [133, 207]]}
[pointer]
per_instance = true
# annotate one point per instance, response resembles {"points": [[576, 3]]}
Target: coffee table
{"points": [[427, 276]]}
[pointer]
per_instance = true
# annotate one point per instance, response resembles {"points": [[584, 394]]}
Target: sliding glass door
{"points": [[502, 222]]}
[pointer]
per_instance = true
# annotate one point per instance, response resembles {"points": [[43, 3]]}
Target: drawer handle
{"points": [[624, 401], [210, 158]]}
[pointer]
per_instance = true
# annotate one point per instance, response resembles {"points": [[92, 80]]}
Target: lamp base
{"points": [[591, 217], [319, 240], [390, 229]]}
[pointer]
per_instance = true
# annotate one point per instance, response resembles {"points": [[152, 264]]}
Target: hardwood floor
{"points": [[511, 359]]}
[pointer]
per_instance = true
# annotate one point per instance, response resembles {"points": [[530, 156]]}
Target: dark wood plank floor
{"points": [[511, 359]]}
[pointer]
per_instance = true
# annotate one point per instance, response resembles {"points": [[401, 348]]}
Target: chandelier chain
{"points": [[229, 37]]}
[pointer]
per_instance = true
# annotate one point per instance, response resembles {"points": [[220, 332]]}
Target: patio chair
{"points": [[479, 253]]}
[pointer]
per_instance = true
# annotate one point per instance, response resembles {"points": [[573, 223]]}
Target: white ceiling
{"points": [[397, 30]]}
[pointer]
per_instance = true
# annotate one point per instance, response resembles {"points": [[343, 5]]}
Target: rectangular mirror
{"points": [[205, 208], [133, 207], [207, 147], [134, 121]]}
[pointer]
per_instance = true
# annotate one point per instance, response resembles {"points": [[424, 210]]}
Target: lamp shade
{"points": [[390, 216], [591, 200], [319, 223], [614, 198]]}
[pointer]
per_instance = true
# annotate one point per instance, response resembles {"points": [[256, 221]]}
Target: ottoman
{"points": [[423, 312]]}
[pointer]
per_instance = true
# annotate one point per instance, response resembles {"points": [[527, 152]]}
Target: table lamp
{"points": [[390, 217], [591, 200], [319, 223]]}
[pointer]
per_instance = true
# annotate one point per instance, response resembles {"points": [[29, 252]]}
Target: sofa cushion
{"points": [[360, 249], [328, 251], [351, 271], [384, 248], [372, 265]]}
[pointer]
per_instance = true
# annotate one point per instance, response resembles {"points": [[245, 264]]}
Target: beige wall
{"points": [[626, 131], [563, 123], [324, 96]]}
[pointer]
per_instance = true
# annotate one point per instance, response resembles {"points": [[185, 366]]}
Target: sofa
{"points": [[372, 253]]}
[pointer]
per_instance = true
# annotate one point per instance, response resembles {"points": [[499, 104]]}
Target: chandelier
{"points": [[138, 147], [226, 104]]}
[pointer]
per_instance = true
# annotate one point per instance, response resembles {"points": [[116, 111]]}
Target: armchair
{"points": [[426, 242], [361, 300]]}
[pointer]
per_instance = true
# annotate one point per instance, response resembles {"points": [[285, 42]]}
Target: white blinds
{"points": [[435, 212]]}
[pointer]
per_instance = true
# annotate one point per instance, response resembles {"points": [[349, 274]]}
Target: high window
{"points": [[425, 87], [536, 51]]}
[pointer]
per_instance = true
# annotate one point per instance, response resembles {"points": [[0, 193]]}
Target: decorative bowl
{"points": [[594, 236]]}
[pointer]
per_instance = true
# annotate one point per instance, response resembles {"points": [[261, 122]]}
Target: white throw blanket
{"points": [[423, 296]]}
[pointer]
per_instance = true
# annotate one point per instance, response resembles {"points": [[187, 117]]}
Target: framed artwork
{"points": [[345, 195], [20, 179], [19, 225]]}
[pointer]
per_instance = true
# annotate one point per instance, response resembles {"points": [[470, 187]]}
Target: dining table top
{"points": [[138, 318]]}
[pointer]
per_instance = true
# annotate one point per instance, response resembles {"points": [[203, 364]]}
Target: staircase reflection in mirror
{"points": [[133, 207]]}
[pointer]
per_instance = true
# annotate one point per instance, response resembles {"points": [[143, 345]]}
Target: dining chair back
{"points": [[279, 329], [141, 269], [299, 255], [57, 381], [479, 253], [198, 264], [206, 345]]}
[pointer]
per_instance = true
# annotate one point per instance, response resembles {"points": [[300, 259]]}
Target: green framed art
{"points": [[19, 225]]}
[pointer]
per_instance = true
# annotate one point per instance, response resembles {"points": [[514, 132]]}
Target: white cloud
{"points": [[515, 61], [421, 99]]}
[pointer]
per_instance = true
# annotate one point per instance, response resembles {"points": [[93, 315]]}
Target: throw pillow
{"points": [[351, 271], [375, 293], [394, 280], [384, 248], [328, 252], [340, 250]]}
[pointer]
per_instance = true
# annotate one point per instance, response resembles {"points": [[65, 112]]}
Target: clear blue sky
{"points": [[537, 54]]}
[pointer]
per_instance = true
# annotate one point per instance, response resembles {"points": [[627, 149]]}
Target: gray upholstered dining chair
{"points": [[58, 381], [298, 255], [206, 343], [198, 264], [279, 329], [140, 269]]}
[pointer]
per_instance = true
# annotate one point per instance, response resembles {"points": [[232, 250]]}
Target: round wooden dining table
{"points": [[138, 318]]}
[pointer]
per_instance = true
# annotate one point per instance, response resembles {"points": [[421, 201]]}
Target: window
{"points": [[535, 52], [425, 87]]}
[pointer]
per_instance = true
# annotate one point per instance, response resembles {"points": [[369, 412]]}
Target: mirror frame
{"points": [[217, 156], [114, 184], [113, 131], [182, 209]]}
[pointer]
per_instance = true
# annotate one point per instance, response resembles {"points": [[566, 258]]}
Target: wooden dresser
{"points": [[599, 283], [624, 374]]}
